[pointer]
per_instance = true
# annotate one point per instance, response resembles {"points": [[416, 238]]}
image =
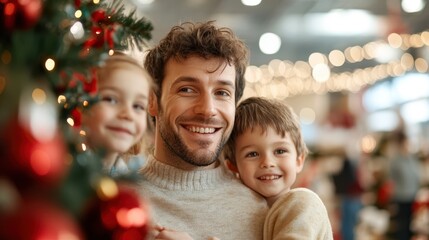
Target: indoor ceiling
{"points": [[297, 22]]}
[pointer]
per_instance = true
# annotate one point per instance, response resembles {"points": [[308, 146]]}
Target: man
{"points": [[199, 73]]}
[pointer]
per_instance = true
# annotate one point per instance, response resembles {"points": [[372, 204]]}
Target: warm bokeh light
{"points": [[39, 96], [61, 99], [336, 58], [107, 188], [368, 144], [70, 121], [421, 65], [49, 64], [394, 40], [78, 13], [133, 217]]}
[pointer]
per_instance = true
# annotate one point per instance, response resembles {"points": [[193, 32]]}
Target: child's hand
{"points": [[170, 234]]}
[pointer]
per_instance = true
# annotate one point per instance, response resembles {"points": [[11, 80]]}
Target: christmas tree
{"points": [[50, 186]]}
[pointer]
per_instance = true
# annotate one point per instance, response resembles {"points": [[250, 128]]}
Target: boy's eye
{"points": [[251, 154], [280, 151]]}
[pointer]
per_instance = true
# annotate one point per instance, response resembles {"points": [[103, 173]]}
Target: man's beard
{"points": [[176, 145]]}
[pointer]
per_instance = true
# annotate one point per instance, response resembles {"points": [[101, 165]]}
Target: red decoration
{"points": [[36, 219], [124, 216], [77, 117], [28, 161], [77, 3], [19, 14], [102, 31]]}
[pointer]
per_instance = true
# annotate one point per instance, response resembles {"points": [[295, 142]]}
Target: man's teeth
{"points": [[201, 130], [272, 177]]}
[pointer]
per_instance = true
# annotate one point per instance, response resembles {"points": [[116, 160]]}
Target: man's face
{"points": [[195, 113]]}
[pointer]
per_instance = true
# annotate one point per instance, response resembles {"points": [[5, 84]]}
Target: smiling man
{"points": [[199, 72]]}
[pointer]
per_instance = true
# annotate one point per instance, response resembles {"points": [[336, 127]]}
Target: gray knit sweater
{"points": [[203, 203]]}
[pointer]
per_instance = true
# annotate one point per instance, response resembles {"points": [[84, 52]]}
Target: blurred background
{"points": [[356, 73]]}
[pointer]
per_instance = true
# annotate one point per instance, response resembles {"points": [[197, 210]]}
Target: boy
{"points": [[267, 151]]}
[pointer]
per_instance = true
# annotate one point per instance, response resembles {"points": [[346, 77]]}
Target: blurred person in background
{"points": [[405, 178]]}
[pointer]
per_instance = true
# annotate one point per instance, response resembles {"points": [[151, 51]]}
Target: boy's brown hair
{"points": [[263, 112], [203, 40]]}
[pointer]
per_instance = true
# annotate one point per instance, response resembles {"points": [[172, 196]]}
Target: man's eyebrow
{"points": [[195, 80], [228, 83]]}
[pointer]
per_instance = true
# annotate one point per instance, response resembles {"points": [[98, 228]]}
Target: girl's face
{"points": [[267, 162], [118, 120]]}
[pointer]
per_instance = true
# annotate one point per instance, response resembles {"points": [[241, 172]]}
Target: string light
{"points": [[311, 77]]}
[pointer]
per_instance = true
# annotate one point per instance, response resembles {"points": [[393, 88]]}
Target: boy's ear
{"points": [[153, 104], [300, 163], [231, 166]]}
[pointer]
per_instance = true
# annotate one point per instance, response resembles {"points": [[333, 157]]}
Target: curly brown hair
{"points": [[201, 39]]}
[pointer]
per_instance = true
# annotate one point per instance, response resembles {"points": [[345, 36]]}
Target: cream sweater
{"points": [[299, 215], [203, 203]]}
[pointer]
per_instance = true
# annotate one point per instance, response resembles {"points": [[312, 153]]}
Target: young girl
{"points": [[116, 123]]}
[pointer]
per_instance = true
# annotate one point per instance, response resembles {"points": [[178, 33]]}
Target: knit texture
{"points": [[204, 203], [299, 215]]}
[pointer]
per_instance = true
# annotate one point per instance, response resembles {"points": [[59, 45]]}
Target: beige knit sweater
{"points": [[203, 203], [299, 215]]}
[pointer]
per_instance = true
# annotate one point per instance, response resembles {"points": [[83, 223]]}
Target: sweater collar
{"points": [[171, 178]]}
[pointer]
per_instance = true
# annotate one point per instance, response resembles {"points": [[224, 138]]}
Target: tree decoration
{"points": [[48, 52], [17, 14]]}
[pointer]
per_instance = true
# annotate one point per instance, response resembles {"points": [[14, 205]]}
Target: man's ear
{"points": [[231, 166], [153, 104]]}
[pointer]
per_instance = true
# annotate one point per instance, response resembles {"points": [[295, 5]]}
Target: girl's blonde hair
{"points": [[120, 60]]}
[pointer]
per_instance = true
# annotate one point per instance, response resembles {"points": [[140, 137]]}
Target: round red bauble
{"points": [[36, 219], [28, 161], [123, 216], [19, 14]]}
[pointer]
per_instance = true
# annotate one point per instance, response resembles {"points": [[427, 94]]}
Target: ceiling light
{"points": [[412, 6], [269, 43], [251, 2]]}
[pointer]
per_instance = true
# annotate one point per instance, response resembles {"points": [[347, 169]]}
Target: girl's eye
{"points": [[109, 99], [139, 107]]}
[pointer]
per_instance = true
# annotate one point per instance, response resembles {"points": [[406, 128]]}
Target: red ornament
{"points": [[102, 31], [28, 161], [123, 216], [77, 117], [36, 219], [19, 14]]}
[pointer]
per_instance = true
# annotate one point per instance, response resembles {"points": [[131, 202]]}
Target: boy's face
{"points": [[195, 112], [267, 162], [118, 120]]}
